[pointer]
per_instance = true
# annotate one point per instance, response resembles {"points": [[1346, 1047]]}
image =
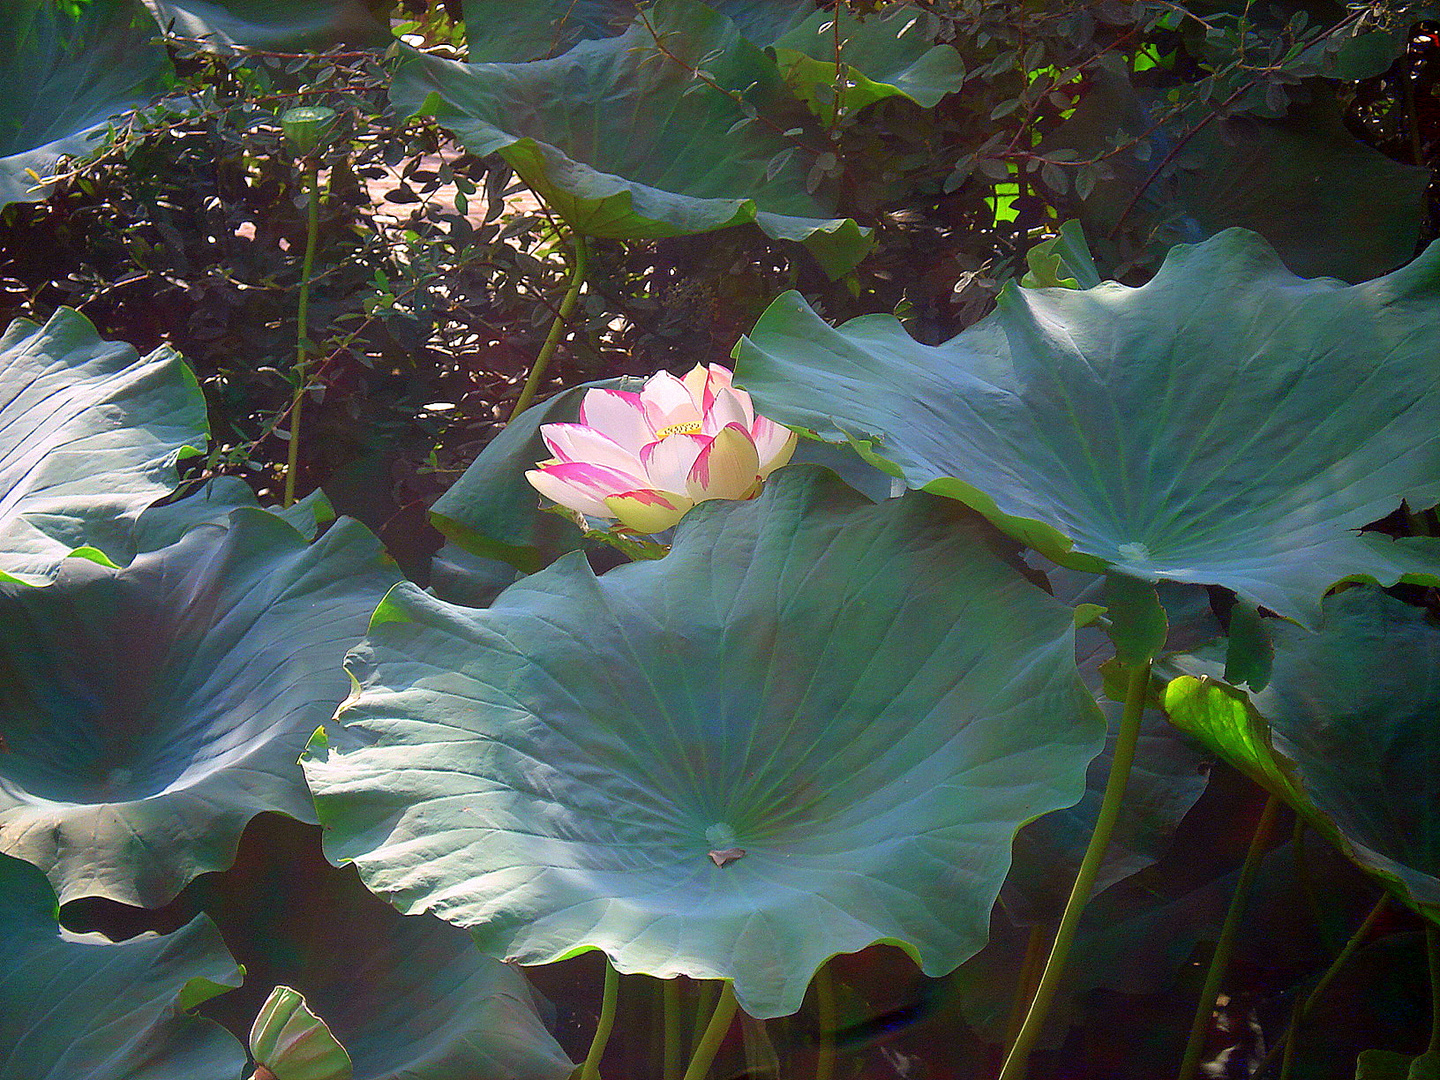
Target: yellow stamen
{"points": [[689, 427]]}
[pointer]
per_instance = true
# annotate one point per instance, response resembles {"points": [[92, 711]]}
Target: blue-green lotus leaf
{"points": [[222, 25], [889, 54], [408, 998], [814, 725], [210, 504], [1344, 731], [622, 141], [1227, 423], [148, 713], [88, 1009], [65, 70], [512, 31], [89, 436]]}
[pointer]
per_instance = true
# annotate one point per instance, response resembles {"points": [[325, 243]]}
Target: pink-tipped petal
{"points": [[720, 379], [773, 443], [728, 408], [577, 442], [569, 495], [729, 468], [668, 462], [666, 402], [617, 414], [648, 511]]}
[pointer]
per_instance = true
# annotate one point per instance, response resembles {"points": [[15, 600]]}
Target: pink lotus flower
{"points": [[646, 458]]}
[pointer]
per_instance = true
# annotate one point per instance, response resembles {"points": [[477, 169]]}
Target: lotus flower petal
{"points": [[773, 443], [616, 413], [667, 402], [668, 461], [576, 442], [580, 485], [730, 407], [729, 468], [648, 511]]}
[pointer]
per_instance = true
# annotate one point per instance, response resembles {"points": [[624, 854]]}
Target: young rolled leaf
{"points": [[65, 70], [408, 998], [292, 1043], [623, 140], [148, 713], [221, 25], [82, 1009], [513, 31], [1228, 423], [89, 436], [888, 54], [1344, 731], [814, 725]]}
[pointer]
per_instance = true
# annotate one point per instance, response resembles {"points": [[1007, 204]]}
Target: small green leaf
{"points": [[1137, 620], [1250, 652], [295, 1044]]}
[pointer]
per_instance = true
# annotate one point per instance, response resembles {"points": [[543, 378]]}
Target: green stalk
{"points": [[1432, 949], [1135, 690], [670, 998], [591, 1069], [1303, 1009], [312, 233], [709, 1044], [704, 1006], [1025, 983], [1220, 958], [825, 1011], [557, 328]]}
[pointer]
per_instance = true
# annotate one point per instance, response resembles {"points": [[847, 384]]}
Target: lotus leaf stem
{"points": [[715, 1031], [1136, 688], [302, 312], [1220, 958], [557, 328], [825, 1013], [591, 1068], [1303, 1009], [670, 1004], [1432, 950], [704, 1006], [1035, 950]]}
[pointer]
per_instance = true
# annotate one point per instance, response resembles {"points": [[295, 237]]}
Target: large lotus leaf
{"points": [[625, 142], [1345, 731], [1228, 423], [888, 55], [864, 700], [511, 31], [162, 525], [408, 998], [1328, 203], [66, 69], [274, 24], [1166, 778], [89, 436], [148, 713], [81, 1009]]}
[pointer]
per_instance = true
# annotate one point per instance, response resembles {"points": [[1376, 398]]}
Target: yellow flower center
{"points": [[689, 427]]}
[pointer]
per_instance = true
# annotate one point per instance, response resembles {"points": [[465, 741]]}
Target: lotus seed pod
{"points": [[307, 126], [289, 1042]]}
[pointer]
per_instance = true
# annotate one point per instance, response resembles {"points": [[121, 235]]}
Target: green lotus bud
{"points": [[307, 126], [289, 1042]]}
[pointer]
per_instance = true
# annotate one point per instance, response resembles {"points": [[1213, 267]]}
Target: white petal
{"points": [[728, 408], [773, 443], [566, 494], [668, 462], [666, 402]]}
